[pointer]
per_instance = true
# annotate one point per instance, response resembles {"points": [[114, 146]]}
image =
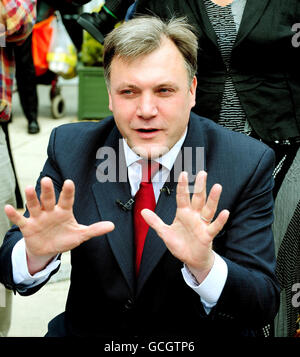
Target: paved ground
{"points": [[31, 314]]}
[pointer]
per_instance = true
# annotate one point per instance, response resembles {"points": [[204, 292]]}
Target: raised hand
{"points": [[52, 228], [189, 238]]}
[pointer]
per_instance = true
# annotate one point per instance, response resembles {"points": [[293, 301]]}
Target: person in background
{"points": [[16, 22], [25, 72], [26, 84]]}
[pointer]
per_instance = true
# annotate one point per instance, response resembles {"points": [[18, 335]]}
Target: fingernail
{"points": [[184, 176]]}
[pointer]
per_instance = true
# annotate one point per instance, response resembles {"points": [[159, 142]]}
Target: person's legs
{"points": [[26, 84], [7, 196]]}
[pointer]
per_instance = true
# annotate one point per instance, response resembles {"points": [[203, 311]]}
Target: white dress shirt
{"points": [[209, 290]]}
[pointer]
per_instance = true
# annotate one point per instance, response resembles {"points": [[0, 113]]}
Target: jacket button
{"points": [[128, 305]]}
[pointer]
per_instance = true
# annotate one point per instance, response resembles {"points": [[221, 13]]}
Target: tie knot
{"points": [[149, 169]]}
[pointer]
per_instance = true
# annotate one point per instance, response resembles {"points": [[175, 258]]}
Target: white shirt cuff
{"points": [[21, 274], [212, 286]]}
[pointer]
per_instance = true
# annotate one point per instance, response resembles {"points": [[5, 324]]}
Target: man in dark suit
{"points": [[202, 269]]}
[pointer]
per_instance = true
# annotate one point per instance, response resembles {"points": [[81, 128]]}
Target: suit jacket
{"points": [[105, 298], [264, 63]]}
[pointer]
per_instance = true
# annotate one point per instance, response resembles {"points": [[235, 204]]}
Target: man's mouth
{"points": [[147, 130], [149, 133]]}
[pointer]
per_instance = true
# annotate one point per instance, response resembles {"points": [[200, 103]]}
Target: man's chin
{"points": [[150, 151]]}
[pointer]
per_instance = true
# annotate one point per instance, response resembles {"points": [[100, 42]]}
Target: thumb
{"points": [[98, 229], [154, 221], [14, 216]]}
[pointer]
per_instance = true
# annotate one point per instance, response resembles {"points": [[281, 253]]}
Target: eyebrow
{"points": [[126, 85], [133, 86], [167, 84]]}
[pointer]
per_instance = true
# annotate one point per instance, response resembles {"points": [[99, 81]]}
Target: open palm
{"points": [[52, 228], [189, 238]]}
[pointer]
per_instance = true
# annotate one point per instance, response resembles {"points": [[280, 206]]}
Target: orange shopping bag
{"points": [[41, 39]]}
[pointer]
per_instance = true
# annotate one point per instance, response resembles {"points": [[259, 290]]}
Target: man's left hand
{"points": [[189, 238]]}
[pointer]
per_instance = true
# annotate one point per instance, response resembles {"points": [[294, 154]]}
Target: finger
{"points": [[15, 217], [97, 229], [66, 198], [154, 222], [47, 194], [32, 202], [210, 208], [182, 191], [217, 225], [199, 194]]}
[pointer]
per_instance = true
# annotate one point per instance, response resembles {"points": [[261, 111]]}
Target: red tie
{"points": [[144, 198]]}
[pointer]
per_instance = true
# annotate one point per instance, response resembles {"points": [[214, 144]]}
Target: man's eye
{"points": [[165, 91], [126, 91]]}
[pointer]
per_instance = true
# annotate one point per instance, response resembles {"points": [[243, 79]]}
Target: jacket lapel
{"points": [[252, 13], [205, 23], [106, 196]]}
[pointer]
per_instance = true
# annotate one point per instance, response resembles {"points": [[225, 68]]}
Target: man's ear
{"points": [[193, 91], [109, 101]]}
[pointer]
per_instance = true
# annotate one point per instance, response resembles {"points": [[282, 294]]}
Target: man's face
{"points": [[151, 99]]}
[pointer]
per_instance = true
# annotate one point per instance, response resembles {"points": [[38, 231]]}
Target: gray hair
{"points": [[144, 34]]}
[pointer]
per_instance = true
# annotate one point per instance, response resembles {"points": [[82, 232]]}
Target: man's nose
{"points": [[147, 106]]}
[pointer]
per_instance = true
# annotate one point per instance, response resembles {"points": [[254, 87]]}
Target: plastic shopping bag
{"points": [[62, 55], [41, 39]]}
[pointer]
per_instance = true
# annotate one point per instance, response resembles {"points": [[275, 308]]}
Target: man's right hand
{"points": [[52, 228]]}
